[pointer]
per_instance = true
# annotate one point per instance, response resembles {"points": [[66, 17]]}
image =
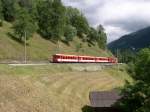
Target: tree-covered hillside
{"points": [[46, 24], [39, 48], [134, 41], [51, 19]]}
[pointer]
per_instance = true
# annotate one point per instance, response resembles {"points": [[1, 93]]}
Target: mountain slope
{"points": [[41, 49], [134, 41]]}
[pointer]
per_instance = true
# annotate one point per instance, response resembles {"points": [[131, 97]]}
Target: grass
{"points": [[56, 88], [39, 48]]}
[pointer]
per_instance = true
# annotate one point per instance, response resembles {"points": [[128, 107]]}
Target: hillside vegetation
{"points": [[49, 28], [39, 48]]}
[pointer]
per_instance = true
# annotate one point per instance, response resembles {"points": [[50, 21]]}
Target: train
{"points": [[65, 58]]}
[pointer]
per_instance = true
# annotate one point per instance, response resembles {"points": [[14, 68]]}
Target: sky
{"points": [[119, 17]]}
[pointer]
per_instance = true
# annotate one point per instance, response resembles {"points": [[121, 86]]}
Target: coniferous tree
{"points": [[102, 40]]}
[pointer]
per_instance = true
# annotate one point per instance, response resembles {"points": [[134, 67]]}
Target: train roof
{"points": [[79, 55]]}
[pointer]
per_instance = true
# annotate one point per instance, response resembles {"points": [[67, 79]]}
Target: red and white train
{"points": [[62, 58]]}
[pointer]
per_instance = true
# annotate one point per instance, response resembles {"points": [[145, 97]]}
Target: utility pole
{"points": [[58, 46], [25, 48], [118, 61]]}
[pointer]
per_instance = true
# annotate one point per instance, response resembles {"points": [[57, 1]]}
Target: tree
{"points": [[24, 24], [102, 40], [51, 19], [1, 13], [70, 33], [98, 35], [44, 9], [9, 9], [92, 35], [30, 6], [137, 96], [77, 20], [81, 25], [142, 66], [59, 19], [71, 13]]}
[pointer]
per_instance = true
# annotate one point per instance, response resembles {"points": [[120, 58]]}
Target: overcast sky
{"points": [[119, 17]]}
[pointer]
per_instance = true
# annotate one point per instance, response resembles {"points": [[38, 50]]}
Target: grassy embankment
{"points": [[39, 48], [53, 88]]}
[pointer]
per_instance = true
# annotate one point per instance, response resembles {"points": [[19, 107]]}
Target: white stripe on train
{"points": [[69, 60]]}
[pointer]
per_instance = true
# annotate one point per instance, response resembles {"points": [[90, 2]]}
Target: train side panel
{"points": [[60, 58]]}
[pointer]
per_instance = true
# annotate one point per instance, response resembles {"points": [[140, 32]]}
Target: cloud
{"points": [[118, 17]]}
